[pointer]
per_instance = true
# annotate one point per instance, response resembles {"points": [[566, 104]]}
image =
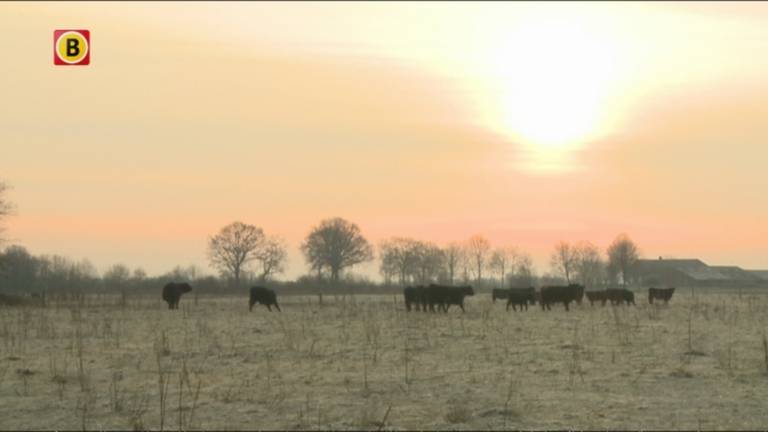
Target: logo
{"points": [[71, 47]]}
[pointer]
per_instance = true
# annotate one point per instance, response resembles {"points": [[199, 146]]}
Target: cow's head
{"points": [[184, 287], [467, 290]]}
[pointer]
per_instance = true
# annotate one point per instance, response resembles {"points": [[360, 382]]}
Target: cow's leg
{"points": [[565, 303], [461, 305], [277, 306], [508, 302], [269, 308], [407, 306]]}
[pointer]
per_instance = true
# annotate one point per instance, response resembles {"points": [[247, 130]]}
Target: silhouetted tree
{"points": [[589, 268], [522, 274], [234, 246], [117, 276], [622, 256], [429, 262], [454, 255], [5, 208], [272, 258], [478, 248], [500, 261], [336, 244], [563, 260], [398, 258]]}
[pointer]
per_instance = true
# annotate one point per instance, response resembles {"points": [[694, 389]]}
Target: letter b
{"points": [[73, 47]]}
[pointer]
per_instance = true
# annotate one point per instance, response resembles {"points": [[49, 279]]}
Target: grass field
{"points": [[363, 362]]}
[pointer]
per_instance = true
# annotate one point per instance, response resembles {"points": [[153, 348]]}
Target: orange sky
{"points": [[526, 123]]}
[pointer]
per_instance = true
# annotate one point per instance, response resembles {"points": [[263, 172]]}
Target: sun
{"points": [[553, 76]]}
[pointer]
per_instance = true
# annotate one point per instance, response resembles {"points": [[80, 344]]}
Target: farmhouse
{"points": [[694, 272]]}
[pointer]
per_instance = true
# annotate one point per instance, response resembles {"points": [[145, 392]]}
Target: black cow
{"points": [[497, 293], [444, 296], [264, 296], [564, 294], [579, 293], [661, 294], [415, 296], [593, 296], [521, 297], [172, 292], [620, 296]]}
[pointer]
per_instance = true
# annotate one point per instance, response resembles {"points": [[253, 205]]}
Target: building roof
{"points": [[762, 274], [693, 268]]}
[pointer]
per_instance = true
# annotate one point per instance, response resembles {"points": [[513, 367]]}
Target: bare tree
{"points": [[139, 274], [622, 256], [117, 276], [500, 261], [522, 274], [272, 257], [336, 244], [589, 268], [6, 208], [399, 257], [478, 248], [563, 260], [234, 246], [454, 255], [429, 262]]}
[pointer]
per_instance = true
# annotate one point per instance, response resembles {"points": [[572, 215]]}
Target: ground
{"points": [[363, 362]]}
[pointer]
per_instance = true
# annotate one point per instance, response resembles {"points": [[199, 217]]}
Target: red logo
{"points": [[71, 47]]}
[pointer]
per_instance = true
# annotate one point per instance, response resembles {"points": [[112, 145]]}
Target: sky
{"points": [[525, 123]]}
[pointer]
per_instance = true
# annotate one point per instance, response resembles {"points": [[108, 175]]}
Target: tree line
{"points": [[244, 254]]}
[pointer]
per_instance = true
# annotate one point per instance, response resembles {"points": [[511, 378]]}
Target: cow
{"points": [[579, 293], [264, 296], [497, 293], [620, 296], [661, 294], [12, 300], [564, 294], [172, 292], [593, 296], [415, 296], [444, 296], [521, 297], [455, 296]]}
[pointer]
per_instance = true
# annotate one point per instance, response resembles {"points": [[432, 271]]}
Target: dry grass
{"points": [[363, 362]]}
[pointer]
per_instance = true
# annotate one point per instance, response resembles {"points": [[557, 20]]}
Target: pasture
{"points": [[363, 362]]}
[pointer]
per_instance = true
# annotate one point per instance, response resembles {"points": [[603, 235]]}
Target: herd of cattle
{"points": [[426, 298], [441, 297]]}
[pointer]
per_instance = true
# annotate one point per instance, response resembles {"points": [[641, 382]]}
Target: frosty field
{"points": [[363, 362]]}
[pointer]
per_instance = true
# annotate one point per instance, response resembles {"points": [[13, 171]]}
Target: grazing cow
{"points": [[172, 292], [593, 296], [264, 296], [579, 293], [415, 296], [620, 296], [444, 296], [660, 294], [564, 294], [497, 293], [521, 297], [12, 300]]}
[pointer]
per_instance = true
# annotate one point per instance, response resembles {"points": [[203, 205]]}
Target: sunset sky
{"points": [[526, 123]]}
